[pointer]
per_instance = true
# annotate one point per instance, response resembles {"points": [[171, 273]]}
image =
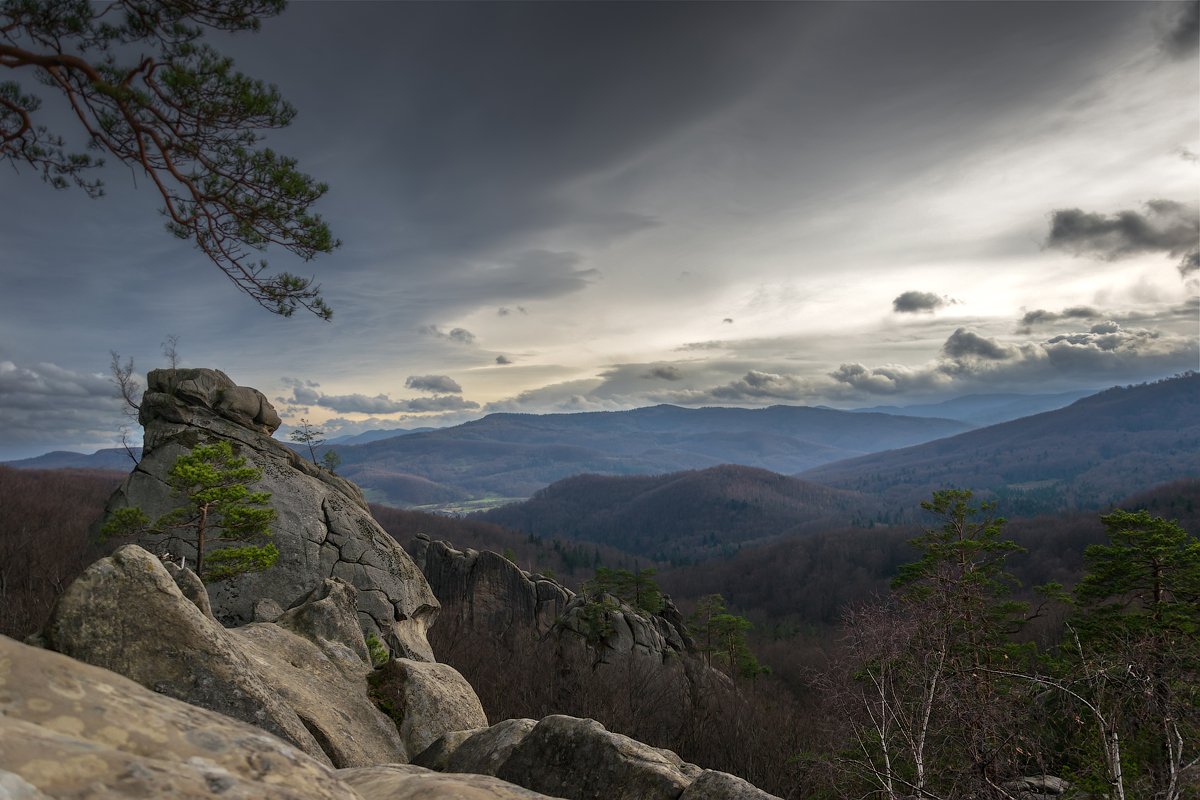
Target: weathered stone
{"points": [[267, 610], [305, 682], [184, 407], [325, 684], [579, 759], [437, 755], [486, 751], [426, 700], [191, 586], [125, 613], [407, 782], [77, 732], [713, 785], [487, 591], [1038, 787], [328, 617]]}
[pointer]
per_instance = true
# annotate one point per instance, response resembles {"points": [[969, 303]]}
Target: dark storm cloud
{"points": [[964, 344], [1166, 226], [459, 335], [913, 302], [1183, 39], [664, 372], [434, 384]]}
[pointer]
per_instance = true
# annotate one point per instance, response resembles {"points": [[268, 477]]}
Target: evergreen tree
{"points": [[1136, 661], [218, 509], [146, 90]]}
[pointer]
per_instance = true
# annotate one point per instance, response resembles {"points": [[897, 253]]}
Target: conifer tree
{"points": [[218, 509]]}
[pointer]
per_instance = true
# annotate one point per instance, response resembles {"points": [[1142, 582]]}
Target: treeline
{"points": [[44, 520]]}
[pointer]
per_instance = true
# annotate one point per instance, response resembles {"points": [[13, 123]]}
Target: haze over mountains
{"points": [[1089, 453]]}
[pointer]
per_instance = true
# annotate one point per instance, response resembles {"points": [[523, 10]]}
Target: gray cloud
{"points": [[1041, 316], [664, 372], [44, 407], [965, 344], [1188, 155], [913, 302], [382, 404], [459, 335], [435, 384], [1166, 226], [303, 392], [727, 321], [1183, 39], [1106, 352], [759, 385], [889, 379], [503, 360]]}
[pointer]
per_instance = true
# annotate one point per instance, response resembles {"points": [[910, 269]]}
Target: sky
{"points": [[595, 206]]}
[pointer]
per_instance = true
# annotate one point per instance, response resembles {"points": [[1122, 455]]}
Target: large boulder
{"points": [[407, 782], [481, 751], [579, 759], [303, 679], [426, 700], [125, 613], [322, 528], [72, 731]]}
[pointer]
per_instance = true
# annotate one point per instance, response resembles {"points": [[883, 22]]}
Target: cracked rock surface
{"points": [[322, 529]]}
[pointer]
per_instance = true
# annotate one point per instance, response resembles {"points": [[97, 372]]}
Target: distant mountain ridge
{"points": [[110, 458], [1091, 453], [514, 455], [985, 409]]}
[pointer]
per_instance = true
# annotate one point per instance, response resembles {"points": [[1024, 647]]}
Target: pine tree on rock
{"points": [[219, 509]]}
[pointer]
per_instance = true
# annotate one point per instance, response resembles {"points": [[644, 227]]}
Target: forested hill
{"points": [[514, 455], [1089, 454], [684, 516]]}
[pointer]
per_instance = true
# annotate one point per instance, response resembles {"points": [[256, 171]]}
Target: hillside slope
{"points": [[1091, 453], [682, 516]]}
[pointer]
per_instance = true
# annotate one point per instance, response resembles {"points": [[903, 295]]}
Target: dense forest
{"points": [[865, 632]]}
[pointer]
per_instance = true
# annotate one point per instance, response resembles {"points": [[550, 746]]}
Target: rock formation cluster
{"points": [[147, 683]]}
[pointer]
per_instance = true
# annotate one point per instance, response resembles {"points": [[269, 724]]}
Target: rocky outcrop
{"points": [[303, 678], [72, 731], [486, 591], [426, 700], [126, 614], [580, 760], [322, 527]]}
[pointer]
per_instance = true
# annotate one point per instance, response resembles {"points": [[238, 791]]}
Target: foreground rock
{"points": [[303, 678], [72, 730], [407, 782], [580, 760], [322, 530], [426, 701]]}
